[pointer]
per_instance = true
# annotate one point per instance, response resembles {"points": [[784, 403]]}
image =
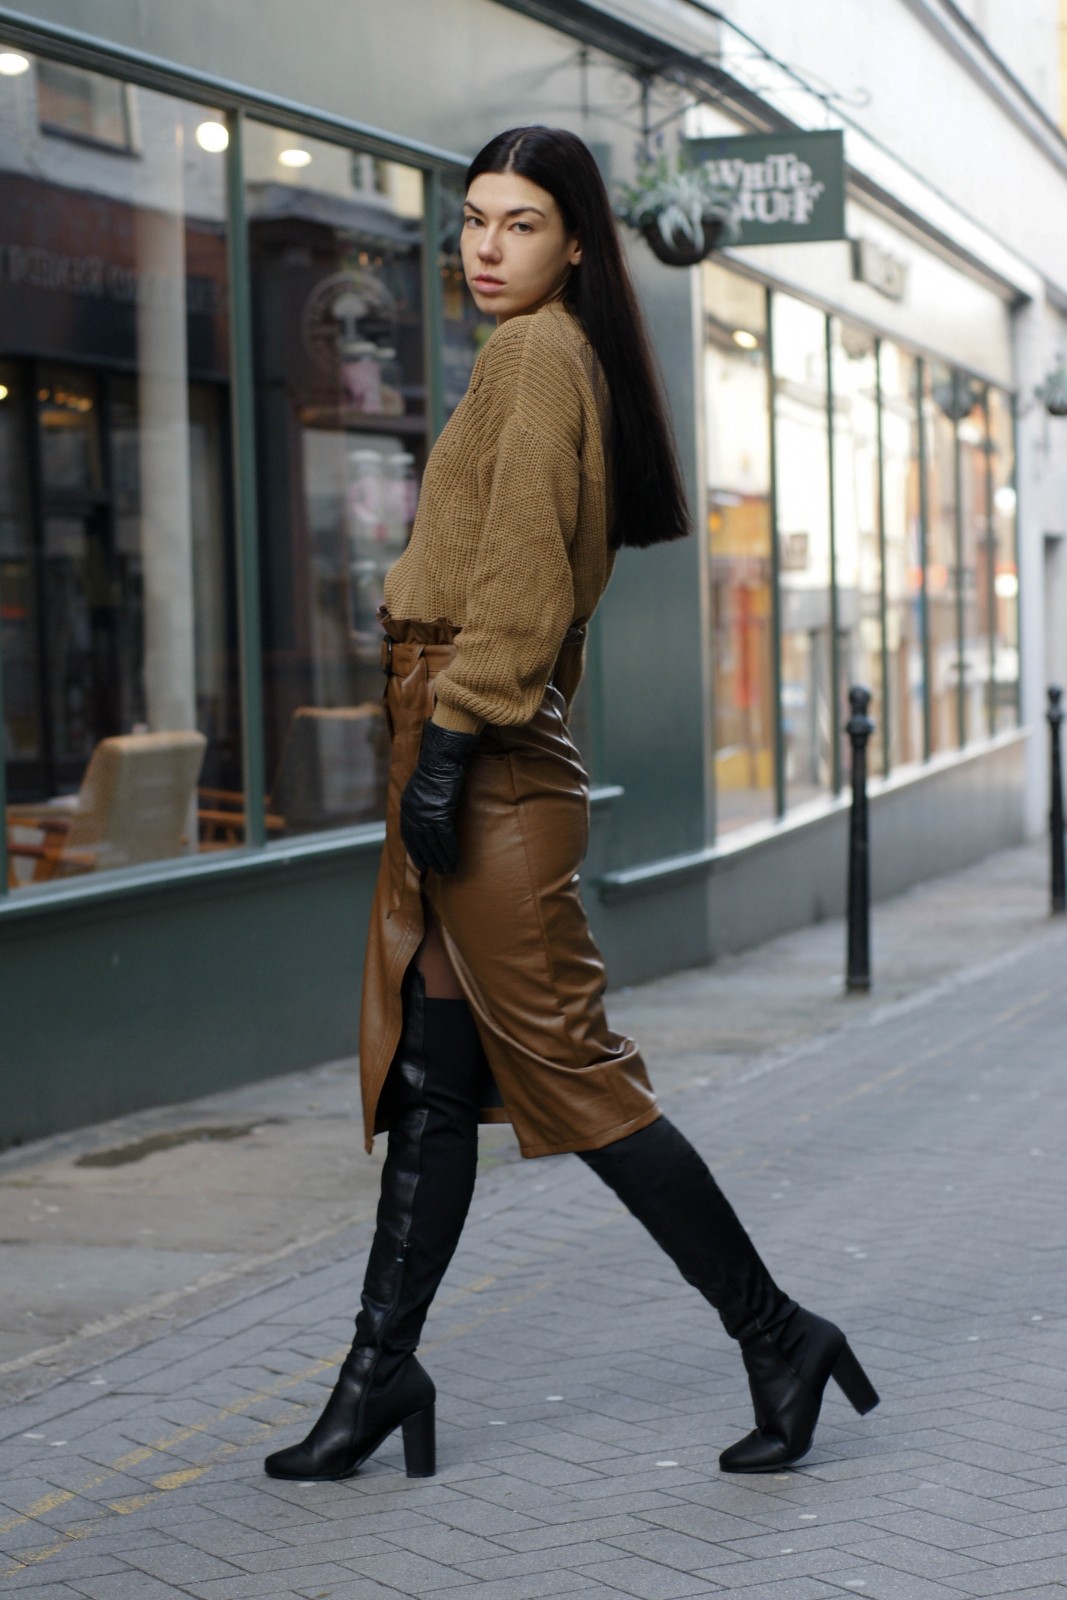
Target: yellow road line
{"points": [[182, 1477]]}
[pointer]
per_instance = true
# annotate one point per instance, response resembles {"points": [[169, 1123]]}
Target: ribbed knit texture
{"points": [[510, 541]]}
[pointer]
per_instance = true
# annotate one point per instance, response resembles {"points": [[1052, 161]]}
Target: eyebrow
{"points": [[516, 211]]}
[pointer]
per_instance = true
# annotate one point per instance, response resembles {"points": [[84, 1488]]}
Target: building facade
{"points": [[232, 322]]}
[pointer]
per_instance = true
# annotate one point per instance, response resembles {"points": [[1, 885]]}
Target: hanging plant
{"points": [[1053, 392], [957, 396], [682, 214]]}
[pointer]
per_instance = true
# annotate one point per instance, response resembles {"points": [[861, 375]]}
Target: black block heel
{"points": [[420, 1451], [854, 1382]]}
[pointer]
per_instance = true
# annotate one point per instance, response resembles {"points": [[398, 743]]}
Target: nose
{"points": [[488, 245]]}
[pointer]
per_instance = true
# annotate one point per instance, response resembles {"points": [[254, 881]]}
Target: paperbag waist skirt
{"points": [[511, 917]]}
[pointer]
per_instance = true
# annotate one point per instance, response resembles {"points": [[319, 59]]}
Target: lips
{"points": [[484, 281]]}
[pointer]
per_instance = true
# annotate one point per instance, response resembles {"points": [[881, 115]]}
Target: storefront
{"points": [[861, 530], [231, 327]]}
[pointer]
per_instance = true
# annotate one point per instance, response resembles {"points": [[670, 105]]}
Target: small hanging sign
{"points": [[790, 187]]}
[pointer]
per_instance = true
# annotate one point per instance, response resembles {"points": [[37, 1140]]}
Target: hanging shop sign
{"points": [[790, 187]]}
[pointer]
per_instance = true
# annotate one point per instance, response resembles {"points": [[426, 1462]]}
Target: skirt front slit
{"points": [[511, 918]]}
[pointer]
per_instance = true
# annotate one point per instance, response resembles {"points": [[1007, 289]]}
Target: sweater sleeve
{"points": [[520, 596]]}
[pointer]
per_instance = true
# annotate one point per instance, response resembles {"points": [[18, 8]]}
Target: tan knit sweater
{"points": [[510, 541]]}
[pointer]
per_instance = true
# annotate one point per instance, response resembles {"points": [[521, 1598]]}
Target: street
{"points": [[899, 1161]]}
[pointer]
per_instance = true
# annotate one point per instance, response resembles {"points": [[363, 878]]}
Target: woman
{"points": [[482, 991]]}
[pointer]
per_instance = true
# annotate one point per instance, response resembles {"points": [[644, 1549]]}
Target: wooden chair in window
{"points": [[332, 772], [134, 805]]}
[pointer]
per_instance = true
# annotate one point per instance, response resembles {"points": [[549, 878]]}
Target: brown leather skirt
{"points": [[512, 921]]}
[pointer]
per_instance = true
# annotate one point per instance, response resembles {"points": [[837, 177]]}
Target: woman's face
{"points": [[516, 251]]}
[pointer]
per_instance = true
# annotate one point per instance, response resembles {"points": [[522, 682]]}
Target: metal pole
{"points": [[1055, 816], [859, 729]]}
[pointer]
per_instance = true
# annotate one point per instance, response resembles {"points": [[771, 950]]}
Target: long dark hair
{"points": [[649, 498]]}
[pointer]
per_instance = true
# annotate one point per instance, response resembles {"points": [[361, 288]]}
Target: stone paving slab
{"points": [[902, 1170]]}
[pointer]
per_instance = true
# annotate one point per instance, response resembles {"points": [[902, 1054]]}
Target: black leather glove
{"points": [[428, 804]]}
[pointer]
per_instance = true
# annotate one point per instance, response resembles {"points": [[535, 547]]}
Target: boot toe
{"points": [[290, 1463], [760, 1452]]}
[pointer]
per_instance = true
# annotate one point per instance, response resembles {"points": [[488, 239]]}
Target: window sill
{"points": [[238, 865], [671, 870]]}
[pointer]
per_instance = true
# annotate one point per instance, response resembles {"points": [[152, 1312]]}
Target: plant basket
{"points": [[680, 251], [1053, 392]]}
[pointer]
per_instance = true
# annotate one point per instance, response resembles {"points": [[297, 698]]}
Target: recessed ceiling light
{"points": [[4, 391], [12, 64], [746, 340], [295, 157], [213, 136]]}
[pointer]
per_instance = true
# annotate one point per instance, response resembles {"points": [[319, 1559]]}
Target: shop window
{"points": [[947, 666], [18, 598], [902, 544], [342, 439], [1003, 561], [858, 564], [117, 616], [976, 656], [737, 408], [86, 106], [803, 501], [465, 328]]}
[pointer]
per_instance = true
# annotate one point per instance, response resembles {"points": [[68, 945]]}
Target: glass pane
{"points": [[802, 457], [68, 419], [465, 328], [940, 403], [737, 397], [903, 568], [18, 590], [975, 571], [118, 605], [1005, 562], [335, 243], [859, 561], [82, 105]]}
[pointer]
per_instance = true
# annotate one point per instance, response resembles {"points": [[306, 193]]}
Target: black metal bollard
{"points": [[859, 729], [1055, 816]]}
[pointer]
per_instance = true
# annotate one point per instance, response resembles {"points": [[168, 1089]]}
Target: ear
{"points": [[575, 258]]}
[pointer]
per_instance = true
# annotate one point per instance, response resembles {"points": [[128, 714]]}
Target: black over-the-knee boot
{"points": [[427, 1183], [789, 1353]]}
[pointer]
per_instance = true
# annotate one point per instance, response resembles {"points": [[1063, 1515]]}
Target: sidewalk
{"points": [[898, 1159]]}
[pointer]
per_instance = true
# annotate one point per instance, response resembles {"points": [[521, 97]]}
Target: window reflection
{"points": [[857, 539], [82, 105], [975, 575], [739, 535], [18, 580], [336, 253], [1004, 560], [804, 545], [116, 595], [942, 398], [902, 510], [465, 327]]}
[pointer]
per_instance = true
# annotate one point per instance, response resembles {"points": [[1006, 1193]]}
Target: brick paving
{"points": [[902, 1173]]}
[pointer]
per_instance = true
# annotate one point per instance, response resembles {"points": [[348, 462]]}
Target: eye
{"points": [[470, 220], [523, 227]]}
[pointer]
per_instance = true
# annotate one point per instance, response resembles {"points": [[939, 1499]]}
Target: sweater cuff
{"points": [[456, 720]]}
